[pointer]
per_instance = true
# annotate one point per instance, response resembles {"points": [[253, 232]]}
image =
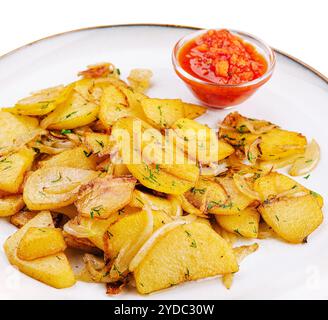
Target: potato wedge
{"points": [[40, 242], [245, 223], [54, 187], [101, 197], [78, 157], [172, 259], [53, 270], [13, 168], [10, 205], [16, 131], [293, 219]]}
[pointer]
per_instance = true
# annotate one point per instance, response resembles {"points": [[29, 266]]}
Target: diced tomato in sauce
{"points": [[220, 57]]}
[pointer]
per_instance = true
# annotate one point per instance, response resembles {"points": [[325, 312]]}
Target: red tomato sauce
{"points": [[220, 57]]}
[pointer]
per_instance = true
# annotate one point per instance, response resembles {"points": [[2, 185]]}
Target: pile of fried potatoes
{"points": [[147, 225]]}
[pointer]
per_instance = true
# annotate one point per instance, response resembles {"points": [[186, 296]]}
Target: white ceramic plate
{"points": [[296, 98]]}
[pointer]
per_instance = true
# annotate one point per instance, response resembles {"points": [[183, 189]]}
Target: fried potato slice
{"points": [[75, 112], [236, 202], [278, 185], [53, 270], [101, 197], [40, 242], [293, 219], [54, 187], [193, 111], [200, 142], [274, 143], [245, 223], [279, 143], [203, 195], [178, 180], [173, 257], [98, 143], [10, 205], [128, 229], [119, 102], [162, 113], [140, 199], [41, 102], [78, 157], [91, 229], [13, 168], [16, 131]]}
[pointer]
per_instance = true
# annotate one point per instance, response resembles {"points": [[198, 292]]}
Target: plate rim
{"points": [[177, 26]]}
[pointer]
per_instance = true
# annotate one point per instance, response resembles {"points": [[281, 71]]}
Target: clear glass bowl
{"points": [[218, 95]]}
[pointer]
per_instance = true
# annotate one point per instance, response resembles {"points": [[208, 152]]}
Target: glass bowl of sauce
{"points": [[223, 68]]}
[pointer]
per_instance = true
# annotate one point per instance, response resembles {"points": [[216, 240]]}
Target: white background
{"points": [[297, 27]]}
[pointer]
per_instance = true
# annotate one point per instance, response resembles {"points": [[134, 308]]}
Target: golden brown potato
{"points": [[98, 143], [174, 179], [92, 229], [40, 242], [203, 195], [279, 143], [115, 104], [10, 205], [245, 223], [41, 102], [13, 168], [193, 111], [78, 157], [103, 196], [200, 142], [140, 199], [53, 270], [293, 219], [172, 258], [76, 111], [162, 113], [278, 185], [273, 143], [16, 131], [54, 187], [128, 229], [236, 202]]}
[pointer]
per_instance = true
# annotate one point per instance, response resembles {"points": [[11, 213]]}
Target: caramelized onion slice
{"points": [[252, 151]]}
